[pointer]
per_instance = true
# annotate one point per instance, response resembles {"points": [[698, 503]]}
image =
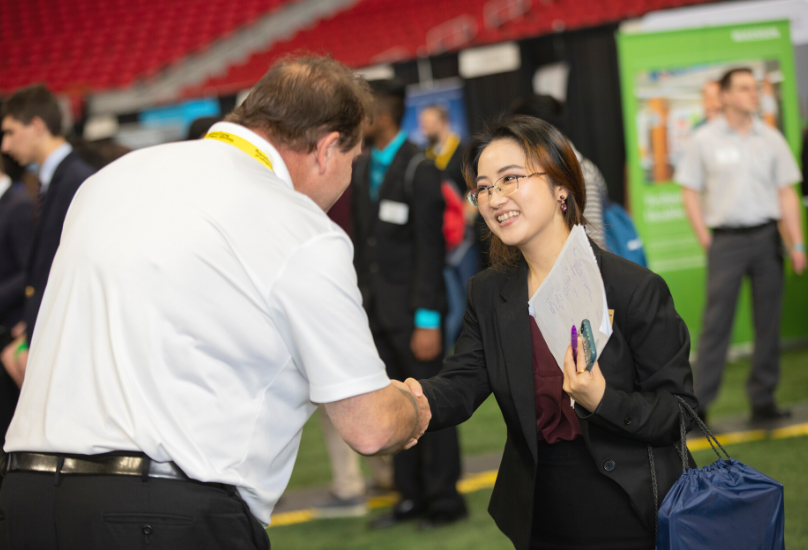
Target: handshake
{"points": [[384, 421], [423, 414]]}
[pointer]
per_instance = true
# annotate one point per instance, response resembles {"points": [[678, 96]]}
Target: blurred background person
{"points": [[446, 150], [98, 153], [399, 258], [734, 205], [445, 147], [16, 236], [31, 122], [200, 126]]}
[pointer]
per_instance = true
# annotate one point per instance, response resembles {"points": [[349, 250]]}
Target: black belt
{"points": [[108, 464], [743, 230]]}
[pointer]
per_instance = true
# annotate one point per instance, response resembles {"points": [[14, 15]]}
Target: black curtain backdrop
{"points": [[593, 118]]}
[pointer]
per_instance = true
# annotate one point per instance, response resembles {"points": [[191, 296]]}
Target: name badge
{"points": [[728, 155], [393, 212]]}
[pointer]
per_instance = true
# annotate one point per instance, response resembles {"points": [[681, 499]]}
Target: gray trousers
{"points": [[732, 256]]}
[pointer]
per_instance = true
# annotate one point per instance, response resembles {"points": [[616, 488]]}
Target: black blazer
{"points": [[645, 364], [67, 178], [16, 235], [399, 266]]}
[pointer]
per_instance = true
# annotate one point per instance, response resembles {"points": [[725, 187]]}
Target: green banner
{"points": [[667, 93]]}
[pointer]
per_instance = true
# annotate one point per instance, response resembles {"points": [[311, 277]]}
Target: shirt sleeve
{"points": [[689, 171], [786, 170], [317, 307]]}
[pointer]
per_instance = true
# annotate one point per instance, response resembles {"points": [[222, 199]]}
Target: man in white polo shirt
{"points": [[200, 304], [737, 179]]}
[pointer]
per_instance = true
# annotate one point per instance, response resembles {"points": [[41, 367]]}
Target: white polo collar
{"points": [[5, 184], [278, 166], [756, 127]]}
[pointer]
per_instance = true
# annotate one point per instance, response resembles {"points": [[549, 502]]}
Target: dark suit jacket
{"points": [[16, 235], [67, 178], [399, 266], [645, 364], [454, 170]]}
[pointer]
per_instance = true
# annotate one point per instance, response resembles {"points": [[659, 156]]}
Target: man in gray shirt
{"points": [[737, 179]]}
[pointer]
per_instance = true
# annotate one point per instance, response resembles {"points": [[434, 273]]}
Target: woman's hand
{"points": [[586, 388]]}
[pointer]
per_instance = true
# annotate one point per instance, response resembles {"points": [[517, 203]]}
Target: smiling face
{"points": [[532, 210]]}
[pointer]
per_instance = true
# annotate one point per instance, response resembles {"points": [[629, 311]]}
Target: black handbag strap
{"points": [[704, 429], [683, 406], [656, 492]]}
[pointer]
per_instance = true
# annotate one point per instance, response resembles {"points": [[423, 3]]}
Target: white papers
{"points": [[573, 291]]}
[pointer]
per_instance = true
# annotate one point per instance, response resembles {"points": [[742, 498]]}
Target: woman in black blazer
{"points": [[571, 478]]}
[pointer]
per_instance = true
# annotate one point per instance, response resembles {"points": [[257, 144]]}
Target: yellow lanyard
{"points": [[242, 144], [447, 151]]}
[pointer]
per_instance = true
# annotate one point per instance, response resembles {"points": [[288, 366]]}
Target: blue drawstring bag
{"points": [[724, 505]]}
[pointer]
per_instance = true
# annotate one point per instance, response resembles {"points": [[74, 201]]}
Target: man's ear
{"points": [[327, 147], [39, 125]]}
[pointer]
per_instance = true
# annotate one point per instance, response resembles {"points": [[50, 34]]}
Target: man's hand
{"points": [[410, 385], [797, 261], [586, 388], [691, 202], [426, 343], [15, 359], [705, 240]]}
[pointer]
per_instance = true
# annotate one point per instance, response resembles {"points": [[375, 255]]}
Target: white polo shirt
{"points": [[197, 308], [738, 175]]}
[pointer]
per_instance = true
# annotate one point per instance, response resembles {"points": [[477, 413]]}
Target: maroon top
{"points": [[555, 418]]}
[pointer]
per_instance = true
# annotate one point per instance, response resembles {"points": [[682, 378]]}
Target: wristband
{"points": [[798, 247], [21, 348], [417, 412]]}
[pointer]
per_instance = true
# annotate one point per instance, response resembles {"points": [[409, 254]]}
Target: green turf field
{"points": [[785, 460]]}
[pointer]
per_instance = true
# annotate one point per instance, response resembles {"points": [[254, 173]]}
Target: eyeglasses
{"points": [[504, 186]]}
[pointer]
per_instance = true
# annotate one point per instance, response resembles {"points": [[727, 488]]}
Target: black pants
{"points": [[428, 473], [576, 507], [122, 513], [732, 256]]}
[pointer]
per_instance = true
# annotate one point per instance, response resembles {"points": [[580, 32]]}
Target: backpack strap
{"points": [[409, 175]]}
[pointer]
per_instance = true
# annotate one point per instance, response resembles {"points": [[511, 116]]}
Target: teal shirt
{"points": [[380, 161]]}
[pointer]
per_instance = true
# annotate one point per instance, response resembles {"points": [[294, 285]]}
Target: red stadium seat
{"points": [[39, 35], [362, 34], [72, 44]]}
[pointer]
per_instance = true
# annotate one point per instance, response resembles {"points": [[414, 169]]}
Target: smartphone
{"points": [[588, 344]]}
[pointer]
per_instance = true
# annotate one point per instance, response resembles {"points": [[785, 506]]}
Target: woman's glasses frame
{"points": [[504, 186]]}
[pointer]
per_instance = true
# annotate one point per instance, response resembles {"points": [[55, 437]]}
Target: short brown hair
{"points": [[726, 80], [443, 114], [34, 101], [302, 98], [547, 150]]}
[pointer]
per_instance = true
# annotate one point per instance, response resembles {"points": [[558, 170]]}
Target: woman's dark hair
{"points": [[546, 150]]}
